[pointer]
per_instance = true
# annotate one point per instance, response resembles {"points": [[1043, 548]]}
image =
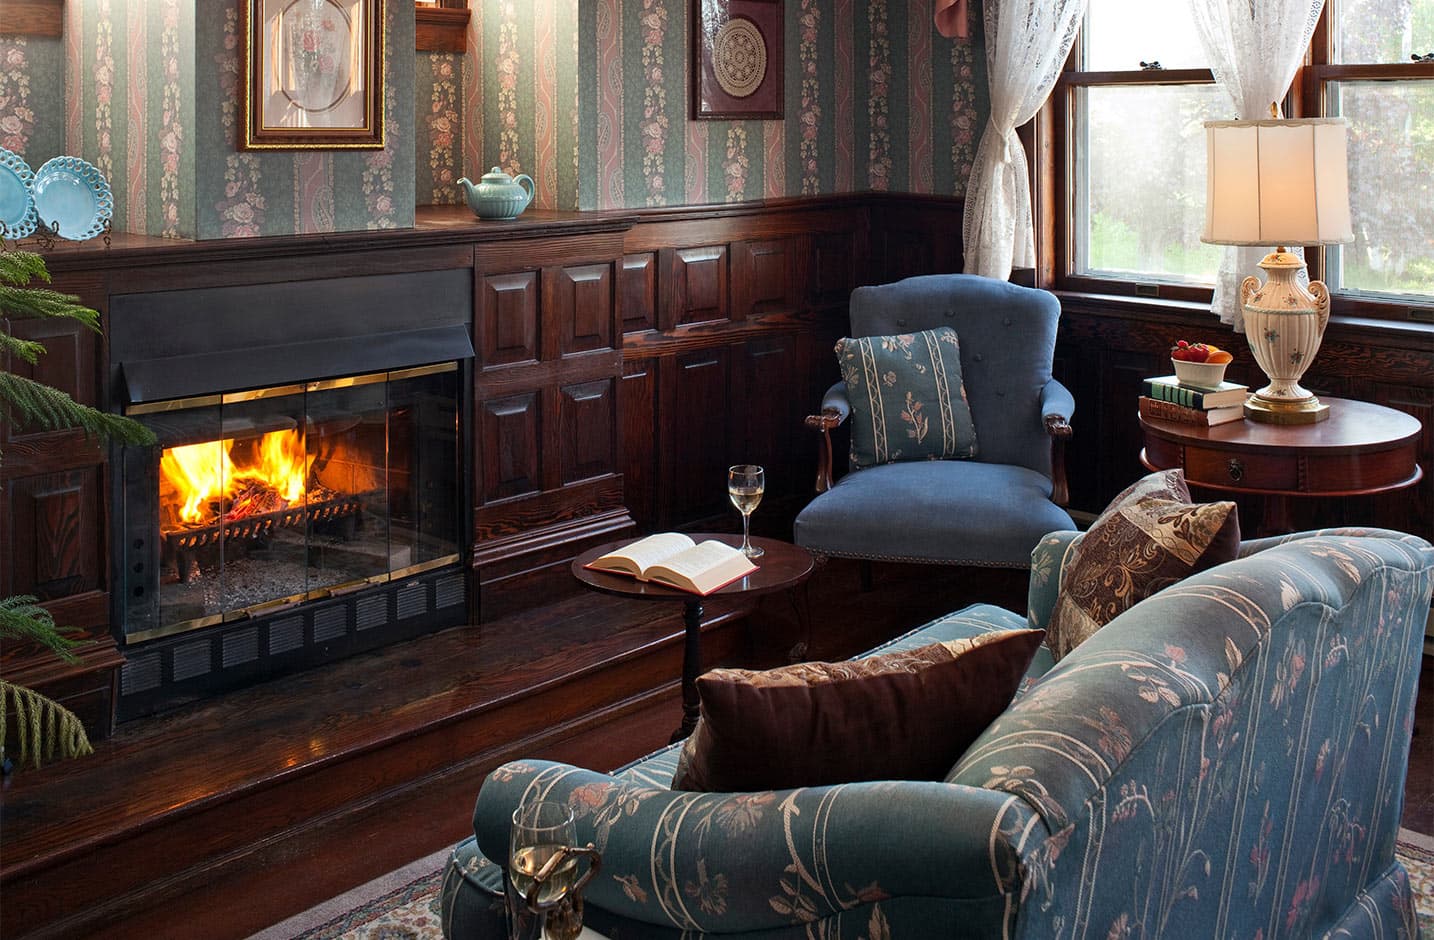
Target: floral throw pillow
{"points": [[904, 715], [907, 400], [1148, 538]]}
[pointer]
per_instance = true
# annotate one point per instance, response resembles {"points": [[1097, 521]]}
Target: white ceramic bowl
{"points": [[1206, 375]]}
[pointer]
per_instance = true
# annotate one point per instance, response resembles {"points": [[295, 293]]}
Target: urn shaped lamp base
{"points": [[1284, 324]]}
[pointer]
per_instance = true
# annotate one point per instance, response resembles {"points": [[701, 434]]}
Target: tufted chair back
{"points": [[1008, 338]]}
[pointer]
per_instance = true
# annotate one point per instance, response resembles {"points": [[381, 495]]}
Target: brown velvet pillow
{"points": [[1149, 537], [905, 715]]}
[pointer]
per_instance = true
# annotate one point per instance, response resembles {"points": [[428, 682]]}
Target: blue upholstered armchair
{"points": [[989, 510]]}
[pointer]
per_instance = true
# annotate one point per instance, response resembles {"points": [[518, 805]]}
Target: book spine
{"points": [[1175, 394], [1169, 411]]}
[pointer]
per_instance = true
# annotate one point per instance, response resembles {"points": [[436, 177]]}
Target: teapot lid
{"points": [[496, 175]]}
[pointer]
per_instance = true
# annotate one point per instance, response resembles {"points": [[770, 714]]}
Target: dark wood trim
{"points": [[1139, 77], [1384, 71], [33, 18], [441, 29]]}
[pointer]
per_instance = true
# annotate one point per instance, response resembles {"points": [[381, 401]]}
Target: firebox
{"points": [[291, 511]]}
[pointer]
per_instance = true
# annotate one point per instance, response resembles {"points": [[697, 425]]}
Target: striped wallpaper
{"points": [[875, 99], [589, 97]]}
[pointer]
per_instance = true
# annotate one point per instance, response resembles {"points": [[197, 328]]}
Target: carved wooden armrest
{"points": [[825, 422], [1060, 431]]}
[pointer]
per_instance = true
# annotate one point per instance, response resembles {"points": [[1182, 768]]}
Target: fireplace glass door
{"points": [[255, 501]]}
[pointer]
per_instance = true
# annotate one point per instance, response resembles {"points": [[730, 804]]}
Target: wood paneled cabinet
{"points": [[547, 469]]}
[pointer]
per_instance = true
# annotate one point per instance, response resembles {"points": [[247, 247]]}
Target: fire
{"points": [[215, 471]]}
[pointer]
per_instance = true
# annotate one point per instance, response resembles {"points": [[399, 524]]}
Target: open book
{"points": [[674, 560]]}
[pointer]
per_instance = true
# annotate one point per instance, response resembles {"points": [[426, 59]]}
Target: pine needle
{"points": [[44, 729], [22, 618], [25, 349], [25, 403]]}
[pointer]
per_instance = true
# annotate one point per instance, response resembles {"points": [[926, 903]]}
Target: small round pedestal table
{"points": [[783, 566]]}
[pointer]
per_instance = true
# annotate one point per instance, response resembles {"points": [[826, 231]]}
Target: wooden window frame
{"points": [[1050, 143]]}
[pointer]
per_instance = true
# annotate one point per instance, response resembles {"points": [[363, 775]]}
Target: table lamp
{"points": [[1279, 183]]}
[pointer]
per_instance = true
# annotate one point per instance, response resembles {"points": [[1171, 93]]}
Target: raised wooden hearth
{"points": [[228, 816]]}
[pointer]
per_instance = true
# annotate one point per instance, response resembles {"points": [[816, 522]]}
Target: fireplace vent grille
{"points": [[286, 634], [341, 627]]}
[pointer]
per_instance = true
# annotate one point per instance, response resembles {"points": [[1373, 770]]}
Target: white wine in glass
{"points": [[541, 829], [745, 484]]}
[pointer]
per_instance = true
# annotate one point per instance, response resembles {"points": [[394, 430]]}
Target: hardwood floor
{"points": [[220, 819]]}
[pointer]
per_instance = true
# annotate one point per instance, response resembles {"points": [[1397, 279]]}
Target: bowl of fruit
{"points": [[1199, 365]]}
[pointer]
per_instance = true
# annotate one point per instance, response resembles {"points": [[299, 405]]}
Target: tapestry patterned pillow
{"points": [[904, 715], [1148, 538], [907, 400]]}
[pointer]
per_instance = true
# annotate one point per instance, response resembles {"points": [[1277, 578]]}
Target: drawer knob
{"points": [[1236, 469]]}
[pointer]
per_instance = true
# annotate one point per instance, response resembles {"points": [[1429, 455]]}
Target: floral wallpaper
{"points": [[32, 97], [875, 99], [147, 91], [589, 97], [280, 193]]}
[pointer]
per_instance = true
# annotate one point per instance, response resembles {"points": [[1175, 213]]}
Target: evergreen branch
{"points": [[29, 404], [21, 618], [37, 303], [22, 267], [44, 728], [25, 349]]}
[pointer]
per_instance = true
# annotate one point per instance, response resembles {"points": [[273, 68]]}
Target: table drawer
{"points": [[1221, 468]]}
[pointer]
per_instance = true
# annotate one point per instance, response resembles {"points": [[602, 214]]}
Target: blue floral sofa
{"points": [[1225, 759]]}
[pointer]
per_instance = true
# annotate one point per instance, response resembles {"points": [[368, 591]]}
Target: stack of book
{"points": [[1165, 398]]}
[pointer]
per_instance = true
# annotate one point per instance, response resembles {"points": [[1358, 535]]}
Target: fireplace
{"points": [[303, 500]]}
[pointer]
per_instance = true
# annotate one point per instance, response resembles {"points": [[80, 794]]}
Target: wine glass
{"points": [[745, 483], [541, 830]]}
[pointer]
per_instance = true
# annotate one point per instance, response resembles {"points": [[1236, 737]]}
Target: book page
{"points": [[636, 558], [703, 568]]}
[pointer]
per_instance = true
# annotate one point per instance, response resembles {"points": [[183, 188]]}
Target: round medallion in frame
{"points": [[739, 57]]}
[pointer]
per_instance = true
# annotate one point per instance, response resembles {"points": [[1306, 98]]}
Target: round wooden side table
{"points": [[781, 567], [1361, 450]]}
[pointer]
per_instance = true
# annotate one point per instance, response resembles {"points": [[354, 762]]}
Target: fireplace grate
{"points": [[263, 524]]}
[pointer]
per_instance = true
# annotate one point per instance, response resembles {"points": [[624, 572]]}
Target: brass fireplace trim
{"points": [[280, 391], [279, 604]]}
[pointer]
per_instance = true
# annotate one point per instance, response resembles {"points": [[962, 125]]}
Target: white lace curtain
{"points": [[1026, 45], [1254, 48]]}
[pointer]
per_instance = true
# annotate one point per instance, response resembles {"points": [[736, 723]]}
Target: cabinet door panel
{"points": [[589, 430], [509, 319], [583, 307], [699, 284], [511, 430], [54, 531], [641, 439], [639, 292], [698, 448]]}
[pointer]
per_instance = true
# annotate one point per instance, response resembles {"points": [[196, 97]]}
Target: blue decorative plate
{"points": [[72, 198], [17, 207]]}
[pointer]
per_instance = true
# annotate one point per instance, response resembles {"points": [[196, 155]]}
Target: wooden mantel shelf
{"points": [[441, 28], [33, 18]]}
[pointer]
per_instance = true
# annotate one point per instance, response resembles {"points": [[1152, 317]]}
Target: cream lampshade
{"points": [[1279, 183]]}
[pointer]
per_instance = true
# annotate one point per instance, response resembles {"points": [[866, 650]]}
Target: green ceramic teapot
{"points": [[498, 195]]}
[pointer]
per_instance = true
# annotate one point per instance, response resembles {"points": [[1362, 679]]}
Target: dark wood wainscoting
{"points": [[624, 360]]}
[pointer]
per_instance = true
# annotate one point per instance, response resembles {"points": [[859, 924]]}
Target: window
{"points": [[1366, 73], [1128, 115]]}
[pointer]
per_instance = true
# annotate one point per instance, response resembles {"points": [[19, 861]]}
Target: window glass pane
{"points": [[1383, 30], [1140, 186], [1391, 188], [1120, 34]]}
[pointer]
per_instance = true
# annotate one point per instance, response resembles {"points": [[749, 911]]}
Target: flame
{"points": [[202, 474]]}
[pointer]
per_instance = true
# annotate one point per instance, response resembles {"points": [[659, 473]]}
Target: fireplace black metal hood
{"points": [[178, 344]]}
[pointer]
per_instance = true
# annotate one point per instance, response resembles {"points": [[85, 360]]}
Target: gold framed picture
{"points": [[313, 74]]}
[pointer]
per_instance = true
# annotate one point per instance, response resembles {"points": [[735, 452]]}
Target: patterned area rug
{"points": [[404, 904]]}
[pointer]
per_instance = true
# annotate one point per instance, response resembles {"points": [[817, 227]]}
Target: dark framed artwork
{"points": [[313, 74], [736, 59]]}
